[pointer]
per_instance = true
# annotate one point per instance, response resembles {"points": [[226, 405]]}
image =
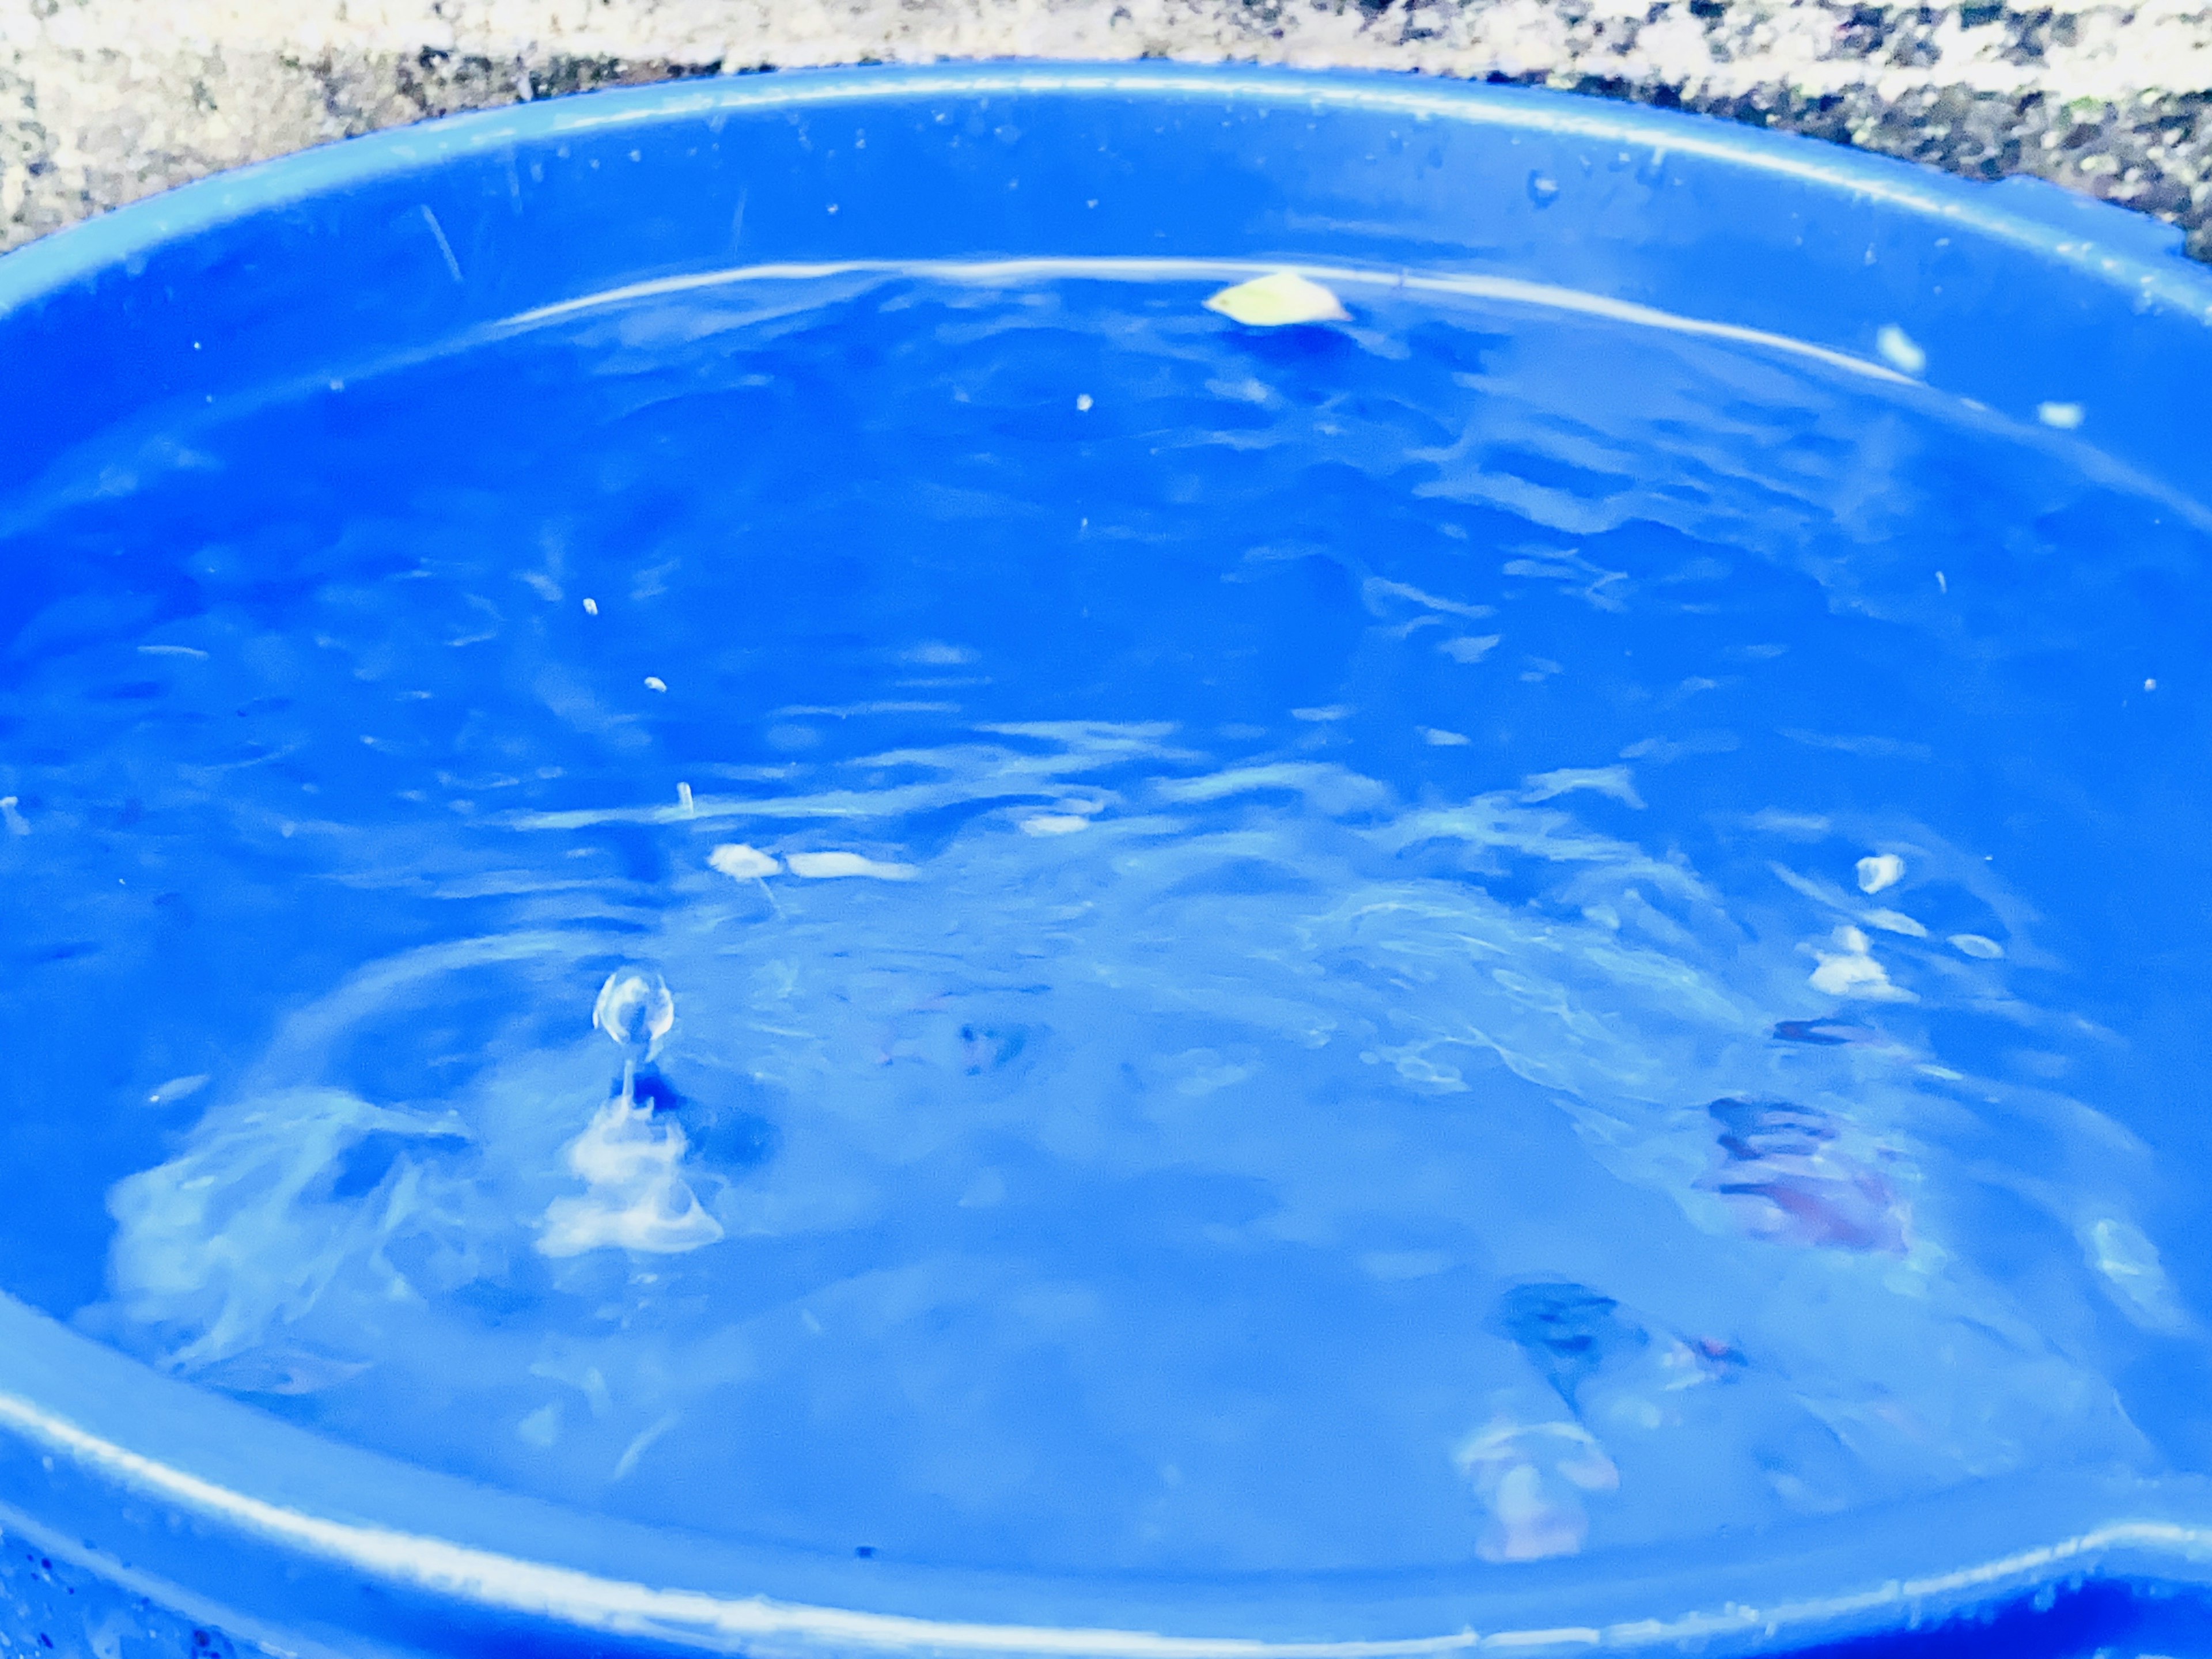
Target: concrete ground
{"points": [[105, 100]]}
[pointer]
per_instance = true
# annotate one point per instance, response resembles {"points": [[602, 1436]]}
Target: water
{"points": [[990, 921]]}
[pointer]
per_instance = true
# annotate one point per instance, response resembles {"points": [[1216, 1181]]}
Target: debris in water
{"points": [[1273, 301], [1880, 870], [742, 863], [1900, 350]]}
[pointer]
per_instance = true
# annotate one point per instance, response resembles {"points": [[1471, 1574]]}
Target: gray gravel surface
{"points": [[103, 101]]}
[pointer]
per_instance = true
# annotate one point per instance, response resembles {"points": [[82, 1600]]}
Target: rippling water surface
{"points": [[996, 921]]}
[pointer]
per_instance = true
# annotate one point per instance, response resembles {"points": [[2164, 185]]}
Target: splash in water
{"points": [[1337, 946]]}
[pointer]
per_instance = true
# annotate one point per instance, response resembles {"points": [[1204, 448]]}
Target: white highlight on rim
{"points": [[1287, 89], [624, 1607], [700, 1619], [1509, 291]]}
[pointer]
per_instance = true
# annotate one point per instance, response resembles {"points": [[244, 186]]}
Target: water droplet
{"points": [[633, 1008]]}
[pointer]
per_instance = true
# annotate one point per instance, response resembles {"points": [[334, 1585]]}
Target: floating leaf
{"points": [[1273, 301]]}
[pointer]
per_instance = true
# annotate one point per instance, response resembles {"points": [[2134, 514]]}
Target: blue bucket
{"points": [[1111, 861]]}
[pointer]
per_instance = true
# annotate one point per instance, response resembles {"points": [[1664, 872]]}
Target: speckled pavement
{"points": [[103, 101]]}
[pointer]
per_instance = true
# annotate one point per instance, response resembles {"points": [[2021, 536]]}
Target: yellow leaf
{"points": [[1273, 301]]}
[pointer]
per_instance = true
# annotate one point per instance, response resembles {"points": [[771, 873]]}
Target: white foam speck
{"points": [[1437, 739], [1894, 921], [1053, 824], [655, 683], [1335, 711], [684, 803], [591, 607], [171, 651], [825, 866], [1879, 871], [742, 863], [1082, 401], [1899, 350], [16, 823], [1851, 970], [1470, 649], [1975, 945], [1278, 300], [176, 1089], [2064, 416]]}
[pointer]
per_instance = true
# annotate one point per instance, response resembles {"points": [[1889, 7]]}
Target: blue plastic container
{"points": [[762, 903]]}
